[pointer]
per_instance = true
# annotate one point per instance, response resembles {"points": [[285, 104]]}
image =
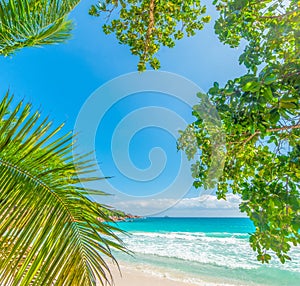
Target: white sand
{"points": [[135, 277]]}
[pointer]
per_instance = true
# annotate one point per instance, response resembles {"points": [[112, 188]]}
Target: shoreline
{"points": [[136, 274], [131, 276]]}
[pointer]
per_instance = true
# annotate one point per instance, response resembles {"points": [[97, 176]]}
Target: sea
{"points": [[203, 251]]}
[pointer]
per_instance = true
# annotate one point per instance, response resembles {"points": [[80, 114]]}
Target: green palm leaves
{"points": [[49, 231], [26, 23]]}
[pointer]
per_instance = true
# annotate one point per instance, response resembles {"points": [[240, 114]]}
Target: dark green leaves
{"points": [[261, 119], [274, 115], [270, 28]]}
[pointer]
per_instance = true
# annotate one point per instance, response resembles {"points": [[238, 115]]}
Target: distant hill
{"points": [[114, 214]]}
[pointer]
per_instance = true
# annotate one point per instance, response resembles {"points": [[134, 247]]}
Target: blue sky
{"points": [[59, 79]]}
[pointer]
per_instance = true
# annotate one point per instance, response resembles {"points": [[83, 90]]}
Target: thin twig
{"points": [[271, 130], [280, 16]]}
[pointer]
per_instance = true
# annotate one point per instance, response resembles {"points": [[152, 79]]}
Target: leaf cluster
{"points": [[146, 26], [27, 23], [261, 119]]}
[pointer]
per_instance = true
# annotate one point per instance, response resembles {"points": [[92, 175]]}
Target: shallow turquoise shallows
{"points": [[215, 251]]}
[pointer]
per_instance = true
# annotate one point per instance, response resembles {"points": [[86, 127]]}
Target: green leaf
{"points": [[270, 79], [287, 98], [288, 105], [268, 94], [274, 115], [251, 86], [49, 228], [26, 23]]}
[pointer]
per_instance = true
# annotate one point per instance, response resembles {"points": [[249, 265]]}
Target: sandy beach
{"points": [[135, 277]]}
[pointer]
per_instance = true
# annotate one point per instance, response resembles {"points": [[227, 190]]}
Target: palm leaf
{"points": [[49, 228], [25, 23]]}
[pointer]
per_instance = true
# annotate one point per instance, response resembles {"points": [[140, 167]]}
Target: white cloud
{"points": [[210, 202], [195, 206]]}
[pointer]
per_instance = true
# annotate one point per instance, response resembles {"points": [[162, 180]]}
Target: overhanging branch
{"points": [[272, 130]]}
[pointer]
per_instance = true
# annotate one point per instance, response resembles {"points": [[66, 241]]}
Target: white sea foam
{"points": [[230, 250]]}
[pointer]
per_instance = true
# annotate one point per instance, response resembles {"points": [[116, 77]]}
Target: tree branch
{"points": [[150, 25], [272, 130], [280, 16]]}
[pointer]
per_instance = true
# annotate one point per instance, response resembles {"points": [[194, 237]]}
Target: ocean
{"points": [[204, 251]]}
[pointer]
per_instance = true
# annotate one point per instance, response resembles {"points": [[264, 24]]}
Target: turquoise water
{"points": [[213, 250]]}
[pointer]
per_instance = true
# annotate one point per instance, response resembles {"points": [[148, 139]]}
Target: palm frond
{"points": [[25, 23], [49, 228]]}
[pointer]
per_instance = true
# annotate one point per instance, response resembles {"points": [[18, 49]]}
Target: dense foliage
{"points": [[146, 25], [261, 119]]}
